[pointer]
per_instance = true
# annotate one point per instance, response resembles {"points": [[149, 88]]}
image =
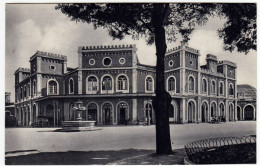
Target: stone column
{"points": [[199, 110], [134, 118], [235, 110], [227, 110], [183, 108]]}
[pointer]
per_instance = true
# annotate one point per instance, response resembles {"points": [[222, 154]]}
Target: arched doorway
{"points": [[107, 113], [204, 112], [238, 113], [50, 114], [171, 113], [231, 112], [21, 116], [34, 114], [149, 112], [122, 113], [25, 117], [29, 116], [72, 114], [92, 112], [249, 112], [222, 110], [213, 110], [191, 112]]}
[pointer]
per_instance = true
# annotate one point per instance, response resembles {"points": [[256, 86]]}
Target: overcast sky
{"points": [[32, 27]]}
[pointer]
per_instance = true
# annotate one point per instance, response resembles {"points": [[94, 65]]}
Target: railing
{"points": [[196, 149]]}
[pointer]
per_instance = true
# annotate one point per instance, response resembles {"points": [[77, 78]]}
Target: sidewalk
{"points": [[121, 157], [177, 158]]}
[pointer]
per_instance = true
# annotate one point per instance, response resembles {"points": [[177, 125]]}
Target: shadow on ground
{"points": [[120, 157]]}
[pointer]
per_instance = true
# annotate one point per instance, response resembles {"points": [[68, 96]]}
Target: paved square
{"points": [[118, 137]]}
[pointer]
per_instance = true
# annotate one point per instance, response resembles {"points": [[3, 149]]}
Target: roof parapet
{"points": [[49, 55], [21, 69], [226, 62], [183, 47], [105, 47]]}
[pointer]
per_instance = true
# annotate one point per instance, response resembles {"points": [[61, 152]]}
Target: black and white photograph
{"points": [[129, 83]]}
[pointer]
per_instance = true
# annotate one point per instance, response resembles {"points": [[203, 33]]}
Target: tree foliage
{"points": [[135, 19], [240, 29], [163, 21]]}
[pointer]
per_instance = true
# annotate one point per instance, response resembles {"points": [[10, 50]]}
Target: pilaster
{"points": [[227, 109], [183, 111], [134, 80], [39, 64], [198, 119], [39, 85], [64, 67], [134, 118], [79, 81]]}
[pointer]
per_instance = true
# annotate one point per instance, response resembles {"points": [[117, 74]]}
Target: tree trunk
{"points": [[162, 101]]}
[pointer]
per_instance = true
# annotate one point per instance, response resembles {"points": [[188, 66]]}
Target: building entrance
{"points": [[204, 112], [148, 113], [122, 113], [107, 107], [92, 112], [191, 112], [171, 113], [249, 112]]}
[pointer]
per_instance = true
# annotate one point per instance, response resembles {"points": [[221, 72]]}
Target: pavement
{"points": [[113, 145]]}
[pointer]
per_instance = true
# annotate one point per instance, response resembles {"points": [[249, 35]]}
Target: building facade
{"points": [[114, 86], [9, 106], [246, 102]]}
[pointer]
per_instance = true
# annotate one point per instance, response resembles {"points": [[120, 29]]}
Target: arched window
{"points": [[191, 84], [171, 84], [204, 85], [53, 87], [17, 94], [231, 89], [107, 83], [34, 87], [71, 86], [149, 84], [21, 93], [92, 84], [221, 88], [213, 87], [122, 83], [25, 90], [29, 90]]}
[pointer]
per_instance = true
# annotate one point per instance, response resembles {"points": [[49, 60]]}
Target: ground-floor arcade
{"points": [[135, 110], [246, 110]]}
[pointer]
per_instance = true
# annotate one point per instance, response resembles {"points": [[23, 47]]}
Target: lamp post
{"points": [[79, 109]]}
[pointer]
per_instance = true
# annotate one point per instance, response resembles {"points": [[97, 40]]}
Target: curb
{"points": [[188, 162]]}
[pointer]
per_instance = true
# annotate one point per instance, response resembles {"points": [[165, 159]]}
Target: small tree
{"points": [[158, 22]]}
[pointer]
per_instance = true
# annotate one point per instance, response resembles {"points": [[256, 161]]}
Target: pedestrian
{"points": [[145, 121]]}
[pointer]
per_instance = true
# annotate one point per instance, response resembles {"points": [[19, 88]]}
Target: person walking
{"points": [[145, 121]]}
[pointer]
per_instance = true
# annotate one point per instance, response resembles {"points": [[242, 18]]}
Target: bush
{"points": [[10, 121], [228, 154]]}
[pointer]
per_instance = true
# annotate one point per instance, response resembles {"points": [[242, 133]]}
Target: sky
{"points": [[32, 27]]}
